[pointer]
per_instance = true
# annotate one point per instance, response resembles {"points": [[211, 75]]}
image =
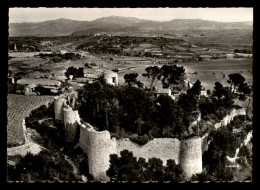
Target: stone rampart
{"points": [[71, 120], [83, 137], [58, 107], [163, 148], [191, 156], [98, 146], [204, 143], [228, 118]]}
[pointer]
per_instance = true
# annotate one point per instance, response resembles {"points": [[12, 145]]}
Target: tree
{"points": [[195, 89], [74, 72], [152, 73], [235, 80], [206, 106], [172, 76], [188, 103], [131, 80], [98, 101], [224, 143], [222, 96], [165, 114]]}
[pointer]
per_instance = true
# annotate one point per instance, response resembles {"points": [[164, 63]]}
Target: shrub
{"points": [[141, 140]]}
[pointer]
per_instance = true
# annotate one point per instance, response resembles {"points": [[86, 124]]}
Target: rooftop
{"points": [[39, 82], [163, 91]]}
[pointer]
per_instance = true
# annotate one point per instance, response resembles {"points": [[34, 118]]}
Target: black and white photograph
{"points": [[130, 94]]}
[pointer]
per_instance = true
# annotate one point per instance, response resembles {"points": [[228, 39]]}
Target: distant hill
{"points": [[61, 27]]}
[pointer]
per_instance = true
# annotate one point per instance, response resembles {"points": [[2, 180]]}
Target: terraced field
{"points": [[19, 106], [209, 72]]}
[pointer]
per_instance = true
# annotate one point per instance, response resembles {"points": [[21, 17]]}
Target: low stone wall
{"points": [[228, 118], [163, 148]]}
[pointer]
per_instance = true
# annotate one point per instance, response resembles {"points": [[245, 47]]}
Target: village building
{"points": [[31, 84], [111, 77], [163, 91], [40, 81], [30, 90]]}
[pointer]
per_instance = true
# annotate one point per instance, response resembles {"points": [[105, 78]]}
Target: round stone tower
{"points": [[71, 120], [111, 77], [191, 156], [58, 107], [100, 147]]}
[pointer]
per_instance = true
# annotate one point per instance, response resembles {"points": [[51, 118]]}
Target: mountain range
{"points": [[62, 27]]}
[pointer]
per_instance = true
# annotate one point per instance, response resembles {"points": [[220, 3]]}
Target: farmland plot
{"points": [[19, 106], [209, 72]]}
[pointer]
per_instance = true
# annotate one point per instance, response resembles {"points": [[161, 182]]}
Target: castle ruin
{"points": [[98, 145]]}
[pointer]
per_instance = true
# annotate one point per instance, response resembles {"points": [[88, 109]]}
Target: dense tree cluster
{"points": [[76, 73], [238, 85], [128, 168], [135, 111], [57, 57], [42, 167], [131, 80]]}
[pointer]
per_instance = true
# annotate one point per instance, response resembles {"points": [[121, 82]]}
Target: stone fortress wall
{"points": [[98, 145], [228, 118], [163, 148]]}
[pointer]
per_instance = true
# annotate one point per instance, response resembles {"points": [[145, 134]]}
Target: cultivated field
{"points": [[208, 72], [19, 106]]}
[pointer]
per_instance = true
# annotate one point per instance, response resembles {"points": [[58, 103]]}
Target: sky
{"points": [[17, 15]]}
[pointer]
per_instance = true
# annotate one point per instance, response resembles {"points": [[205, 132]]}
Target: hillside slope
{"points": [[61, 27]]}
